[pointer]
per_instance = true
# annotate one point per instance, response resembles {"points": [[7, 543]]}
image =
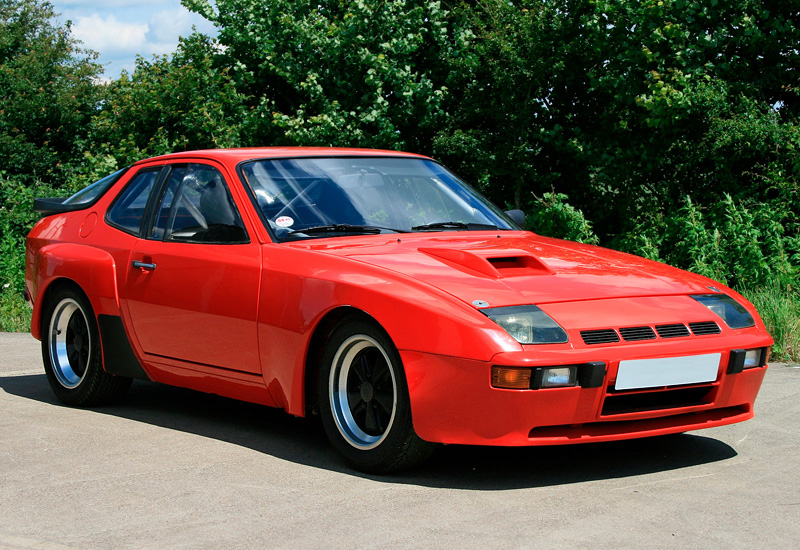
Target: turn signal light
{"points": [[511, 378]]}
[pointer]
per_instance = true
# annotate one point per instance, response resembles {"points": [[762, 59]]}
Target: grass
{"points": [[779, 309], [15, 314]]}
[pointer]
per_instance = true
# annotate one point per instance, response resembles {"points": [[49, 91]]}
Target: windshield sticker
{"points": [[284, 221]]}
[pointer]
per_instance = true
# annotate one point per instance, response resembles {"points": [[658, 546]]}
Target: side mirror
{"points": [[517, 216]]}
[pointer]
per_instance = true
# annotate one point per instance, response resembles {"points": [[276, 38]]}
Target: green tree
{"points": [[47, 97], [333, 72], [505, 85], [47, 92], [627, 107], [182, 102]]}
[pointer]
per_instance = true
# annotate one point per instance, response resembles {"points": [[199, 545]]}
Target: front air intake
{"points": [[706, 327], [637, 333], [672, 331], [603, 336]]}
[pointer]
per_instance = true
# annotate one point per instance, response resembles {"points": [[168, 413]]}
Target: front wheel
{"points": [[364, 401], [71, 353]]}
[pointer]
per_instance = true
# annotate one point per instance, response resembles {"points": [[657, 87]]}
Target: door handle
{"points": [[143, 265]]}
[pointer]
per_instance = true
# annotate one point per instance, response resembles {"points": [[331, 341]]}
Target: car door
{"points": [[191, 293]]}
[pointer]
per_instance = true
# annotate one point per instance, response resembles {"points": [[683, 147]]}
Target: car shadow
{"points": [[275, 433]]}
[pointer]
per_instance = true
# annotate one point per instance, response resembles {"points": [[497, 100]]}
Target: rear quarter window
{"points": [[91, 193], [128, 209]]}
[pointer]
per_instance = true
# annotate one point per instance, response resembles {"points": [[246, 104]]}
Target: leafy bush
{"points": [[16, 219], [48, 91], [550, 215], [15, 315], [780, 311], [740, 243]]}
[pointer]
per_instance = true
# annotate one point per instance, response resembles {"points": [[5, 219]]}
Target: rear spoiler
{"points": [[55, 205]]}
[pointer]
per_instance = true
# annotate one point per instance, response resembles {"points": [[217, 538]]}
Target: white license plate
{"points": [[667, 371]]}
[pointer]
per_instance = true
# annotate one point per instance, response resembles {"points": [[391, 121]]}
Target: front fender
{"points": [[92, 269], [417, 316]]}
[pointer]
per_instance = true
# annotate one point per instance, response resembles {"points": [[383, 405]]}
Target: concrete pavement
{"points": [[171, 468]]}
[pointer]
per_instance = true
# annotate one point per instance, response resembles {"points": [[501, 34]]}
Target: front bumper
{"points": [[452, 400]]}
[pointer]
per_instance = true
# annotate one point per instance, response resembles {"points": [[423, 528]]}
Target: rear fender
{"points": [[92, 269]]}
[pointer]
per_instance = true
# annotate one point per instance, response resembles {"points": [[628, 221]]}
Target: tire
{"points": [[364, 403], [72, 355]]}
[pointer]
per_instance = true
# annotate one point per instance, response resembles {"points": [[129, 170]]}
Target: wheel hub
{"points": [[367, 392], [77, 342]]}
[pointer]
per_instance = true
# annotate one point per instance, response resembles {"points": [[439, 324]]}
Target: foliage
{"points": [[179, 103], [47, 92], [550, 215], [47, 97], [780, 311], [666, 128], [741, 244], [504, 87], [330, 72], [16, 219], [626, 107], [15, 314]]}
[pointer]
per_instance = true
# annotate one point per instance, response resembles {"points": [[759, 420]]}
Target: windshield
{"points": [[304, 198]]}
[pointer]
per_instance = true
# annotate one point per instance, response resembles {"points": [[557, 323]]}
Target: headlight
{"points": [[741, 359], [527, 324], [753, 358], [732, 312]]}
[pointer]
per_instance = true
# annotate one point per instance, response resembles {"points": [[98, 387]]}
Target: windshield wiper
{"points": [[455, 225], [346, 228]]}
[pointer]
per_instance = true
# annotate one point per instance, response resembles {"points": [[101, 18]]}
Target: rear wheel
{"points": [[364, 401], [71, 352]]}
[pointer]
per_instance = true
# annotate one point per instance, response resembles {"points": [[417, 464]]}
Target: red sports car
{"points": [[378, 290]]}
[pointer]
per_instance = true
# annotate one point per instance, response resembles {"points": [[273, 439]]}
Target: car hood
{"points": [[513, 268]]}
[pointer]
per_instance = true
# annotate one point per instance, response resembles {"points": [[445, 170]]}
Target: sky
{"points": [[119, 30]]}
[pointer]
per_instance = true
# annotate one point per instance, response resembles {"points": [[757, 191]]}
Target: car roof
{"points": [[236, 156]]}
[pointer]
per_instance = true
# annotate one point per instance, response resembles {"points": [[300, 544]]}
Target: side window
{"points": [[167, 200], [129, 207], [202, 209]]}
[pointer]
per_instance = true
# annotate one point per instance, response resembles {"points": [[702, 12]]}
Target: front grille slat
{"points": [[672, 331], [630, 334], [603, 336], [706, 327]]}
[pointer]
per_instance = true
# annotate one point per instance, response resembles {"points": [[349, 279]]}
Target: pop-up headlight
{"points": [[732, 312], [527, 324]]}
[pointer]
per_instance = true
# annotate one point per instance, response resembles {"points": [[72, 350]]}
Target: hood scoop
{"points": [[497, 264]]}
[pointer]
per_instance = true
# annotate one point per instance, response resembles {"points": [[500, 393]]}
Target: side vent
{"points": [[706, 327], [637, 333], [672, 331], [603, 336]]}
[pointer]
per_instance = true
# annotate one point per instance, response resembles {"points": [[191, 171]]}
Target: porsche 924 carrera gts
{"points": [[378, 290]]}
